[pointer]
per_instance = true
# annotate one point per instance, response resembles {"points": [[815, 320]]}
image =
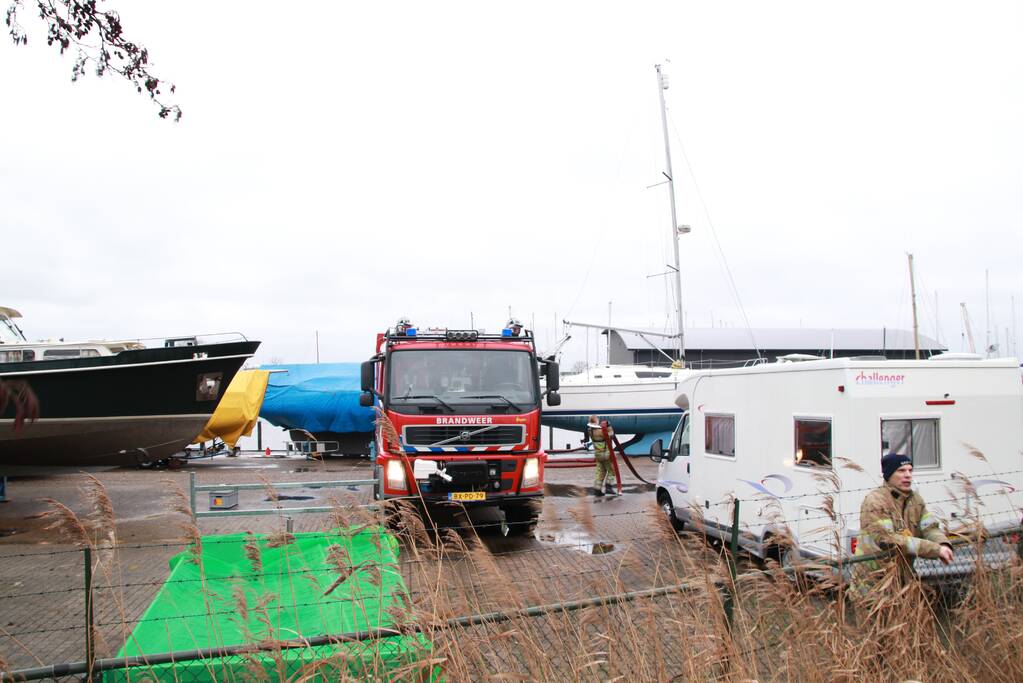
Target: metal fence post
{"points": [[191, 492], [733, 553], [90, 646]]}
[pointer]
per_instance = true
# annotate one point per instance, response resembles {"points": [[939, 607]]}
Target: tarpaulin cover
{"points": [[285, 594], [238, 410], [316, 397]]}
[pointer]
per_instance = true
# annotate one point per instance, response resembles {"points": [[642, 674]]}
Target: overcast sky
{"points": [[340, 165]]}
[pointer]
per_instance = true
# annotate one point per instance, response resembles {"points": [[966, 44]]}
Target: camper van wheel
{"points": [[664, 501]]}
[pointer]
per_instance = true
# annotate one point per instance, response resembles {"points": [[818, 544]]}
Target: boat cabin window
{"points": [[813, 443], [916, 438], [12, 356], [719, 435], [70, 353], [646, 374], [28, 354]]}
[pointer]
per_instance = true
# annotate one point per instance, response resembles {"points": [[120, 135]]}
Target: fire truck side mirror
{"points": [[368, 376], [553, 376], [366, 399], [553, 399]]}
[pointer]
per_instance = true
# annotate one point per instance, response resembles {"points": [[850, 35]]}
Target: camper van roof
{"points": [[967, 360]]}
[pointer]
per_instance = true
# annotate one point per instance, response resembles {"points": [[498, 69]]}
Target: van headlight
{"points": [[531, 473], [396, 475]]}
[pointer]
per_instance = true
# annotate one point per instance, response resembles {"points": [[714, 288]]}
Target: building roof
{"points": [[786, 339]]}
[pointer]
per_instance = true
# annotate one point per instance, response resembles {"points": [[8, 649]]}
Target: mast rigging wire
{"points": [[733, 289]]}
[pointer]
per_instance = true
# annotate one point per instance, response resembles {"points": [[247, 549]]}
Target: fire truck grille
{"points": [[467, 435]]}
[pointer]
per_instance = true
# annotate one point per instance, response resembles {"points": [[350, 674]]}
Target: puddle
{"points": [[576, 540], [576, 491], [284, 497], [564, 490]]}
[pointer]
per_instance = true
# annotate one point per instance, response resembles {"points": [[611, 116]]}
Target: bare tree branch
{"points": [[99, 39]]}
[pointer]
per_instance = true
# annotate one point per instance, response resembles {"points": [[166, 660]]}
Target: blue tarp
{"points": [[316, 397]]}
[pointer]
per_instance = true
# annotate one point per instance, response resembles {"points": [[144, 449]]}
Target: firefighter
{"points": [[895, 517], [601, 456], [402, 326], [515, 326]]}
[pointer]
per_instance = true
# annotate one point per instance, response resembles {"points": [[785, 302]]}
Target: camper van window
{"points": [[813, 443], [719, 435], [916, 438]]}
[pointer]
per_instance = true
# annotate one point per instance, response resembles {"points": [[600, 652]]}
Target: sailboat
{"points": [[635, 399]]}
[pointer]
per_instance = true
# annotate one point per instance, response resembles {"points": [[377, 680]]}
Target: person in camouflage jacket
{"points": [[894, 517]]}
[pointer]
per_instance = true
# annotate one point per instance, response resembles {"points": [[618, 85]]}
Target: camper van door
{"points": [[673, 470]]}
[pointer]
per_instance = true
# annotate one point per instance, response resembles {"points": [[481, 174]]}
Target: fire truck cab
{"points": [[465, 410]]}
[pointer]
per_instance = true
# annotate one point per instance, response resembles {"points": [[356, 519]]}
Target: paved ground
{"points": [[579, 543]]}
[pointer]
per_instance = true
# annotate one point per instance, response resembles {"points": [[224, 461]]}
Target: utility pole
{"points": [[987, 315], [912, 292], [1013, 300]]}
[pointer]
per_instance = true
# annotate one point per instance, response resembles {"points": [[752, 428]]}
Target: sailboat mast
{"points": [[662, 85], [912, 293]]}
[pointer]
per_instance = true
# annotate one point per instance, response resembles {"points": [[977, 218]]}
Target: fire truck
{"points": [[465, 412]]}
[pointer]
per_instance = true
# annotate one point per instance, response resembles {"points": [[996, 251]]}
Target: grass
{"points": [[780, 630]]}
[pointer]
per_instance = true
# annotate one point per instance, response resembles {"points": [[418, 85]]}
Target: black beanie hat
{"points": [[892, 462]]}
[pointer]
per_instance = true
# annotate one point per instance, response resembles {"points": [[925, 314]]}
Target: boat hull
{"points": [[630, 408], [133, 408]]}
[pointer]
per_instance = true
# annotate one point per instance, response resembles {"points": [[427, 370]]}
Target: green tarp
{"points": [[246, 591]]}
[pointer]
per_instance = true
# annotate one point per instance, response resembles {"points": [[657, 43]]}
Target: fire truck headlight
{"points": [[396, 475], [531, 473]]}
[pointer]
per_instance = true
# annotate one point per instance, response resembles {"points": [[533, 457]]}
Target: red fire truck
{"points": [[465, 407]]}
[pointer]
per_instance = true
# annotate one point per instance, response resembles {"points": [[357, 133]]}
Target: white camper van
{"points": [[765, 434]]}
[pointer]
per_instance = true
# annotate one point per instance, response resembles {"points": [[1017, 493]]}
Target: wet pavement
{"points": [[579, 541]]}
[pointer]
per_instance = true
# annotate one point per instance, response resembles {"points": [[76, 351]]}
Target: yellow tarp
{"points": [[238, 411]]}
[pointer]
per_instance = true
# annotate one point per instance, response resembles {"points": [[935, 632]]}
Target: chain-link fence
{"points": [[598, 585]]}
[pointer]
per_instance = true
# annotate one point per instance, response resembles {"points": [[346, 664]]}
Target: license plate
{"points": [[468, 495]]}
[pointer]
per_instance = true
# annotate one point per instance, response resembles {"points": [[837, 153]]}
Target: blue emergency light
{"points": [[506, 332], [410, 332]]}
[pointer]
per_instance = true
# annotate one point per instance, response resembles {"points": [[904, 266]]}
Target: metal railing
{"points": [[312, 448], [194, 488]]}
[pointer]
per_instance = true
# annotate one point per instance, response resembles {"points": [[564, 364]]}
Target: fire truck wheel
{"points": [[521, 519]]}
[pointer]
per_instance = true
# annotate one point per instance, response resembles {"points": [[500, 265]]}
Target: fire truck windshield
{"points": [[461, 380]]}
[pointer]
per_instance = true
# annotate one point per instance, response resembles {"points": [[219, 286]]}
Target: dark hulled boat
{"points": [[112, 406]]}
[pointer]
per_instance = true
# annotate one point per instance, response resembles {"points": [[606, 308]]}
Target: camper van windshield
{"points": [[680, 439]]}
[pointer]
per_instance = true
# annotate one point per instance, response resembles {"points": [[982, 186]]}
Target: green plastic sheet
{"points": [[242, 589]]}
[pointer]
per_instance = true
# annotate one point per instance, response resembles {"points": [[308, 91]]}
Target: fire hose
{"points": [[613, 444]]}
